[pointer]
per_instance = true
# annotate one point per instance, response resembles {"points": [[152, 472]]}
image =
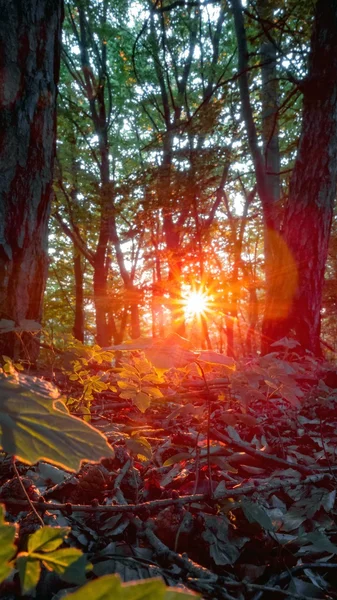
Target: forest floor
{"points": [[225, 485]]}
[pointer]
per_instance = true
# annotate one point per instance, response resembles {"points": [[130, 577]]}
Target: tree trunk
{"points": [[269, 101], [299, 270], [78, 329], [30, 32]]}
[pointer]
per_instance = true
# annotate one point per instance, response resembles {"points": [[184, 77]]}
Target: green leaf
{"points": [[76, 571], [140, 446], [60, 560], [104, 588], [177, 458], [29, 572], [153, 391], [255, 513], [142, 401], [174, 594], [7, 548], [47, 539], [110, 586], [216, 359], [127, 385], [7, 359], [34, 427]]}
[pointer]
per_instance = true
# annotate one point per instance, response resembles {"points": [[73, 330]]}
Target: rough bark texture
{"points": [[30, 33], [269, 101], [299, 273]]}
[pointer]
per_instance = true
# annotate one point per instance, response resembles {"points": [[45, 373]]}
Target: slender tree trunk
{"points": [[78, 329], [299, 271], [30, 32], [253, 316]]}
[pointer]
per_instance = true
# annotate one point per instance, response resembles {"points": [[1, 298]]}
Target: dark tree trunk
{"points": [[299, 271], [78, 329], [30, 32], [269, 101]]}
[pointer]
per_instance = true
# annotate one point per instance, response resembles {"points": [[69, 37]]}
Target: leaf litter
{"points": [[222, 480]]}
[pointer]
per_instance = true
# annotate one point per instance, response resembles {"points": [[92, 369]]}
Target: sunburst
{"points": [[196, 303]]}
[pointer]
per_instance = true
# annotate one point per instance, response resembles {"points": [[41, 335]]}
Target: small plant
{"points": [[138, 380], [9, 366], [80, 370], [45, 548]]}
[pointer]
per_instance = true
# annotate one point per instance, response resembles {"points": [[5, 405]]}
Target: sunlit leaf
{"points": [[216, 359], [34, 427], [60, 560], [29, 572], [140, 446], [142, 401], [153, 391], [110, 586], [177, 458], [126, 385], [47, 539], [7, 547]]}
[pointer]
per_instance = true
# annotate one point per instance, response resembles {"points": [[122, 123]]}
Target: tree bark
{"points": [[269, 101], [296, 297], [78, 329], [30, 33]]}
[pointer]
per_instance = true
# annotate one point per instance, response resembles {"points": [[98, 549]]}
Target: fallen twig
{"points": [[160, 504]]}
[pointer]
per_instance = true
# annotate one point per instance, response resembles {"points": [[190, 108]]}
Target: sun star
{"points": [[195, 303]]}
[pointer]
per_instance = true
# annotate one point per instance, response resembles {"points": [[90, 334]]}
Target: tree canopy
{"points": [[168, 285], [194, 154]]}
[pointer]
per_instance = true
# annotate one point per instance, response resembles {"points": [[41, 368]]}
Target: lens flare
{"points": [[196, 303]]}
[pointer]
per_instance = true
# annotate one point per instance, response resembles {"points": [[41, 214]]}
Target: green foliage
{"points": [[7, 547], [44, 550], [70, 564], [30, 411], [110, 586], [79, 371], [10, 367], [138, 381]]}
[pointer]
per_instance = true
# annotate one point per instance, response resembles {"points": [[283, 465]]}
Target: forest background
{"points": [[196, 147], [168, 151]]}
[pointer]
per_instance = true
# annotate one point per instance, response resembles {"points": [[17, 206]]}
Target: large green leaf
{"points": [[110, 586], [29, 571], [43, 549], [7, 548], [35, 427], [60, 560], [47, 539]]}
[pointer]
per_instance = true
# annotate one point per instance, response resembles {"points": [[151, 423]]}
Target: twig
{"points": [[160, 504], [123, 471], [209, 399], [263, 456], [118, 494], [274, 590], [17, 474]]}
